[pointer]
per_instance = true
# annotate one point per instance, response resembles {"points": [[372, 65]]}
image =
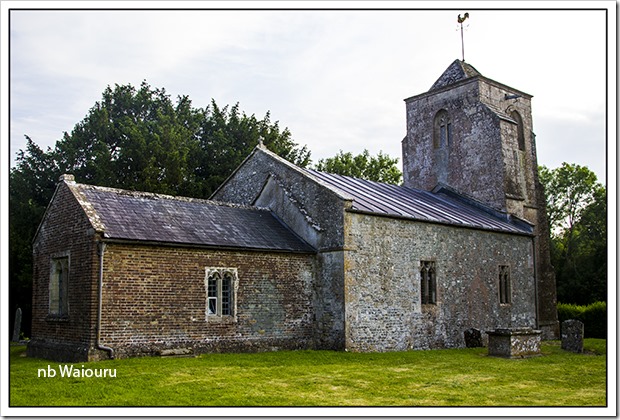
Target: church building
{"points": [[282, 257]]}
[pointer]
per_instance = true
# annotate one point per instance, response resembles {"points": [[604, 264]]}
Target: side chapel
{"points": [[283, 257]]}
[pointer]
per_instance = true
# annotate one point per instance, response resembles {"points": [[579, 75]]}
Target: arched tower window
{"points": [[520, 133], [442, 130]]}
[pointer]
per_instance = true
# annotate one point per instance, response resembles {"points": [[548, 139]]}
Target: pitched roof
{"points": [[457, 71], [139, 216], [441, 206]]}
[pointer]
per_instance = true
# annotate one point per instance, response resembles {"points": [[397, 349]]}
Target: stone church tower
{"points": [[474, 135]]}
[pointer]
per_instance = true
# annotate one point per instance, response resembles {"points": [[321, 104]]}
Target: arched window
{"points": [[520, 134], [221, 284], [59, 286], [428, 282], [442, 130]]}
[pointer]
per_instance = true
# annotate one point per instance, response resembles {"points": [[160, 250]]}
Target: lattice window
{"points": [[504, 284], [221, 285], [428, 285], [59, 286], [442, 130]]}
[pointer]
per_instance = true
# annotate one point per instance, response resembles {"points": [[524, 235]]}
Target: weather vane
{"points": [[461, 20]]}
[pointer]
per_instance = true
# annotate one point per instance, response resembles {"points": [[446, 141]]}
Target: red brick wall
{"points": [[65, 229], [155, 299]]}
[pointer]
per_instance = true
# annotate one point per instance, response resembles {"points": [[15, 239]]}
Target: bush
{"points": [[593, 316]]}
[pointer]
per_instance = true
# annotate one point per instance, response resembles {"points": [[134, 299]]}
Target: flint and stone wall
{"points": [[484, 161], [382, 283]]}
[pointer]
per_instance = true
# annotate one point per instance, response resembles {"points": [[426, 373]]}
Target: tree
{"points": [[380, 168], [137, 139], [30, 189], [577, 209]]}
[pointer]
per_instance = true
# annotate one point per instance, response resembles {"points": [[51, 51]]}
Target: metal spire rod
{"points": [[461, 20]]}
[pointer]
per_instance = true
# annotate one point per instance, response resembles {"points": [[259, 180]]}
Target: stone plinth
{"points": [[514, 343]]}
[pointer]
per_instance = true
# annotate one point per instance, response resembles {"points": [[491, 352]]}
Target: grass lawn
{"points": [[459, 377]]}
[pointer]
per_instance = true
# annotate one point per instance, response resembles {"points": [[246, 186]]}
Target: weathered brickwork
{"points": [[154, 298], [64, 231], [382, 283]]}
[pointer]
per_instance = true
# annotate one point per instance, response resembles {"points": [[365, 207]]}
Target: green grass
{"points": [[459, 377]]}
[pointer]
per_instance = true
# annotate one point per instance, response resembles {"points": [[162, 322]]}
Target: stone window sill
{"points": [[219, 319]]}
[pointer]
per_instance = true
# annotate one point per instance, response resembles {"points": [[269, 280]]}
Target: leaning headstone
{"points": [[17, 326], [473, 338], [572, 335]]}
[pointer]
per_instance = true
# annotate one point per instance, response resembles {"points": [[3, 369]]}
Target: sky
{"points": [[336, 78]]}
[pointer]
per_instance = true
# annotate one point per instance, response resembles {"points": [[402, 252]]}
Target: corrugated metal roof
{"points": [[404, 202], [136, 216]]}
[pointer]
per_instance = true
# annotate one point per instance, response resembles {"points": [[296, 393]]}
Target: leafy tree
{"points": [[380, 168], [31, 187], [137, 139], [577, 209]]}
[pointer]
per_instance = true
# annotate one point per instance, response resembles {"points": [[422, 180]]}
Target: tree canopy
{"points": [[577, 211], [380, 168], [136, 139]]}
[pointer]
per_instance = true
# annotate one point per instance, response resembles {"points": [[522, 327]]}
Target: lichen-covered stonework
{"points": [[484, 158], [382, 283]]}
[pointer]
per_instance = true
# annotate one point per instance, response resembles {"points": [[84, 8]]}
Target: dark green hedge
{"points": [[593, 316]]}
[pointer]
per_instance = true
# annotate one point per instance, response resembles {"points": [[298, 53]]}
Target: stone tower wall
{"points": [[472, 162], [485, 160]]}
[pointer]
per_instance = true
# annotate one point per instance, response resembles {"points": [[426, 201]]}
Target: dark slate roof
{"points": [[136, 216], [458, 70], [443, 206]]}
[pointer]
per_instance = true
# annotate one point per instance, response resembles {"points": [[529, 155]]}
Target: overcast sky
{"points": [[336, 79]]}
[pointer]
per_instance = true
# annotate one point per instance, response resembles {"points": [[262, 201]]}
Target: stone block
{"points": [[514, 343]]}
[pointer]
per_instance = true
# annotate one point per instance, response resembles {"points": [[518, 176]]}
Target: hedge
{"points": [[593, 316]]}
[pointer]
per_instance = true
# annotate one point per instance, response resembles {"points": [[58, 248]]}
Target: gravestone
{"points": [[572, 335], [473, 338], [17, 326]]}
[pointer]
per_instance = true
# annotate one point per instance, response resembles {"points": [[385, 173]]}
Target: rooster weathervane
{"points": [[461, 20]]}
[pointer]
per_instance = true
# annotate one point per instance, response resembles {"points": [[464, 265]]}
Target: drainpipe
{"points": [[100, 251]]}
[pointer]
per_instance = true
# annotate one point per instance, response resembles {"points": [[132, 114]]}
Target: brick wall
{"points": [[382, 283], [155, 299], [65, 230]]}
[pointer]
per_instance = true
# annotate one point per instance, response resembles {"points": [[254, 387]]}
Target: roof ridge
{"points": [[157, 196], [442, 205]]}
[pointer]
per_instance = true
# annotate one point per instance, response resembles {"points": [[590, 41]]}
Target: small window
{"points": [[220, 284], [58, 288], [442, 130], [504, 284], [428, 285], [520, 132]]}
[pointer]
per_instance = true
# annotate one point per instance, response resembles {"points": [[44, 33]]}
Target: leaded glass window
{"points": [[428, 284], [221, 285]]}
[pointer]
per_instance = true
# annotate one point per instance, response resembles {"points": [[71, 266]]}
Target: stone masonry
{"points": [[488, 152]]}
